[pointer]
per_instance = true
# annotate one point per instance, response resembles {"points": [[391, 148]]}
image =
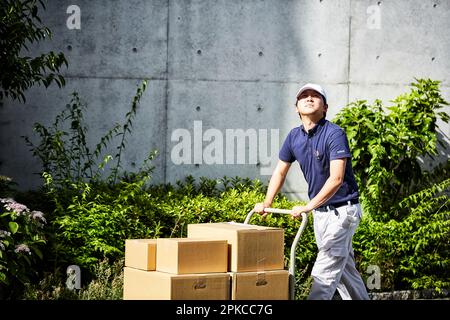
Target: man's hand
{"points": [[298, 210], [259, 208]]}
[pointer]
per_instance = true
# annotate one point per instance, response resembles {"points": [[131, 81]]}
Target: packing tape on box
{"points": [[261, 279], [199, 283]]}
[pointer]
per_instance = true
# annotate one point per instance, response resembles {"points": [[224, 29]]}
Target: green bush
{"points": [[406, 225], [412, 252], [51, 286], [21, 241], [21, 26], [387, 143], [98, 220], [107, 284]]}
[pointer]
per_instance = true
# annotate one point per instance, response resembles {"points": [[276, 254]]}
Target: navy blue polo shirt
{"points": [[314, 150]]}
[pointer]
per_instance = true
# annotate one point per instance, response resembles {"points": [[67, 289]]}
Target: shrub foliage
{"points": [[20, 26], [388, 142]]}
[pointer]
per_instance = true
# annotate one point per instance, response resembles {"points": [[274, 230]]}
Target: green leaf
{"points": [[13, 226], [3, 278], [38, 253]]}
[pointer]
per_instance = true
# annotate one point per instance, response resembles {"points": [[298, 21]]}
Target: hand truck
{"points": [[293, 246]]}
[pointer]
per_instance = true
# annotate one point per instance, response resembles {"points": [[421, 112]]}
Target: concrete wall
{"points": [[224, 65]]}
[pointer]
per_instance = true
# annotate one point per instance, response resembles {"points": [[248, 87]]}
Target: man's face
{"points": [[310, 103]]}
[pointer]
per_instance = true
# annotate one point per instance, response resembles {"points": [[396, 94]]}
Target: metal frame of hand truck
{"points": [[293, 246]]}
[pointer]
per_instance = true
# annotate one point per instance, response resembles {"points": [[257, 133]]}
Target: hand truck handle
{"points": [[268, 210], [293, 246]]}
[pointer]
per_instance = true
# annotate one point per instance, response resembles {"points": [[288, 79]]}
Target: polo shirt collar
{"points": [[314, 129]]}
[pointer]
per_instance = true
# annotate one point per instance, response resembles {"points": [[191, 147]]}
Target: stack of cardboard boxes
{"points": [[217, 261], [176, 269]]}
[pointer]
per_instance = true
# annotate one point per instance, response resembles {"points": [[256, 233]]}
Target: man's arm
{"points": [[331, 186], [275, 184]]}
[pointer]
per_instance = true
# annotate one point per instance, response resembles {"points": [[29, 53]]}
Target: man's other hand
{"points": [[259, 208], [297, 211]]}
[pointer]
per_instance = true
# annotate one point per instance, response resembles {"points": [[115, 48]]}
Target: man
{"points": [[322, 150]]}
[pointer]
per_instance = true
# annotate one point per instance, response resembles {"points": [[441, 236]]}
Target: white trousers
{"points": [[335, 264]]}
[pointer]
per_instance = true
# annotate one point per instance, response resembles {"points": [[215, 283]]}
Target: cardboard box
{"points": [[267, 285], [250, 247], [182, 255], [155, 285], [140, 253]]}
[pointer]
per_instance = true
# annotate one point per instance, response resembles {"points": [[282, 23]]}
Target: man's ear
{"points": [[297, 111]]}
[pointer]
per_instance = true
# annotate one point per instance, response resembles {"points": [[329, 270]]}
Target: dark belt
{"points": [[336, 205]]}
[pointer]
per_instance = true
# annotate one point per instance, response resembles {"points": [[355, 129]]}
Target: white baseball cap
{"points": [[315, 87]]}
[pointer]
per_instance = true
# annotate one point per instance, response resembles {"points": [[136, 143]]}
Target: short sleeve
{"points": [[286, 153], [338, 145]]}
